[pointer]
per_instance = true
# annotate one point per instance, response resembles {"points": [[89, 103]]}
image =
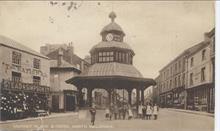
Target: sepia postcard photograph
{"points": [[107, 65]]}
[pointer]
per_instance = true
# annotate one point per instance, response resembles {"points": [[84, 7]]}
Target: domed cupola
{"points": [[114, 29], [112, 48]]}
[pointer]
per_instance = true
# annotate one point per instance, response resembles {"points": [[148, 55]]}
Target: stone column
{"points": [[185, 99], [89, 96], [208, 98], [129, 96], [142, 96], [137, 99], [80, 97], [109, 96]]}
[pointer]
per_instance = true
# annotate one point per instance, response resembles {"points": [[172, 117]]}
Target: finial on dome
{"points": [[112, 16]]}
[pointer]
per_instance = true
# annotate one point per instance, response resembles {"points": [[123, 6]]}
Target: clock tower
{"points": [[112, 32], [112, 67], [112, 48]]}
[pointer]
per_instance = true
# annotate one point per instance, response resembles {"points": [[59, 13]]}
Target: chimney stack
{"points": [[70, 52], [82, 66], [60, 57]]}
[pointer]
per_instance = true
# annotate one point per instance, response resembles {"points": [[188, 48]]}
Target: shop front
{"points": [[20, 100], [166, 99], [200, 98], [162, 101], [179, 97]]}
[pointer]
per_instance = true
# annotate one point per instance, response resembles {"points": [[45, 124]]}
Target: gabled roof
{"points": [[5, 41], [196, 47], [66, 57], [54, 63]]}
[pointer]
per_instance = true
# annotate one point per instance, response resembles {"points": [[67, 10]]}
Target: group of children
{"points": [[145, 112]]}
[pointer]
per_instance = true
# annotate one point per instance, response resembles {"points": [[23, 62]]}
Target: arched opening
{"points": [[100, 98]]}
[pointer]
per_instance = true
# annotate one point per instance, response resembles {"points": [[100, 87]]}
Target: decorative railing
{"points": [[11, 85]]}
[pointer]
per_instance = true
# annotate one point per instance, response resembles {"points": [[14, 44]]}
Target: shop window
{"points": [[203, 54], [191, 78], [36, 63], [203, 74], [16, 58], [191, 62], [16, 77], [36, 80]]}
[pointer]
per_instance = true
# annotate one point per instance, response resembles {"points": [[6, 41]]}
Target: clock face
{"points": [[109, 37]]}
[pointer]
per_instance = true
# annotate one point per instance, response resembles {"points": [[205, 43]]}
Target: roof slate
{"points": [[112, 26], [112, 69], [109, 44], [16, 45]]}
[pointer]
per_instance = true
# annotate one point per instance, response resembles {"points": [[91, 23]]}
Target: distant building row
{"points": [[188, 81]]}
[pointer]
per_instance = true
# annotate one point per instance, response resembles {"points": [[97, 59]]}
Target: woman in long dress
{"points": [[107, 113], [144, 112], [155, 111], [148, 111], [130, 114], [140, 107]]}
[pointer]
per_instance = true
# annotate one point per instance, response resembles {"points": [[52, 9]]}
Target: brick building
{"points": [[64, 64], [172, 82], [188, 80], [24, 78], [200, 79]]}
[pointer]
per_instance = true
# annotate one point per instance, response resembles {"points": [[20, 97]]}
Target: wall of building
{"points": [[26, 68], [58, 78], [1, 68], [58, 84], [198, 64], [173, 75]]}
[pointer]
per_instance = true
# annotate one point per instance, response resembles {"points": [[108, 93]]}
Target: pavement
{"points": [[193, 112], [52, 115], [168, 120]]}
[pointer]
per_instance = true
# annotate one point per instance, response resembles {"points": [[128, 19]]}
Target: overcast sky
{"points": [[157, 31]]}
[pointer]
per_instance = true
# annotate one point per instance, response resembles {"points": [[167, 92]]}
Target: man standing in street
{"points": [[93, 113]]}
